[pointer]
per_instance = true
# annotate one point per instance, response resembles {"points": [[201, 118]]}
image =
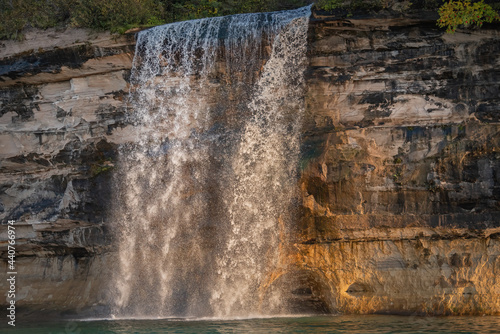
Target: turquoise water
{"points": [[323, 324]]}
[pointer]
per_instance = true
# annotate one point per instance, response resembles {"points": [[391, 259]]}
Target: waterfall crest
{"points": [[206, 192]]}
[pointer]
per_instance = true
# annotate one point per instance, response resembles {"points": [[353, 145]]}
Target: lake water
{"points": [[321, 324]]}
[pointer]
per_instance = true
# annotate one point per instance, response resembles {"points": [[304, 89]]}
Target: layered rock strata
{"points": [[400, 168], [63, 113]]}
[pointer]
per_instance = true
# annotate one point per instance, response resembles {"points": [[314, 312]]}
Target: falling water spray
{"points": [[206, 191]]}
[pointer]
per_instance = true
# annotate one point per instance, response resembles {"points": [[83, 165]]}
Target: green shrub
{"points": [[100, 167], [196, 9], [120, 15], [329, 5], [15, 15], [363, 5], [462, 13], [116, 15]]}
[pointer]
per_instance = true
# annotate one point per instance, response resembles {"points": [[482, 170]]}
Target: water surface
{"points": [[322, 324]]}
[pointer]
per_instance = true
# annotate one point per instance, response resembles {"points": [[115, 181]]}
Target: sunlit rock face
{"points": [[399, 171], [401, 167]]}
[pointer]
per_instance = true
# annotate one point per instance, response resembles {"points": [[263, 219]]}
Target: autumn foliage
{"points": [[465, 14]]}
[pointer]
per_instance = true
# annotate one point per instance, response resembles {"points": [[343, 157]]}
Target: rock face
{"points": [[400, 169], [62, 115]]}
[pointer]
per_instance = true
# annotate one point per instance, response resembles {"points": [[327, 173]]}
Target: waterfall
{"points": [[206, 192]]}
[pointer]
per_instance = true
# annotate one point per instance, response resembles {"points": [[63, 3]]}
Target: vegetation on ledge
{"points": [[121, 15], [464, 13]]}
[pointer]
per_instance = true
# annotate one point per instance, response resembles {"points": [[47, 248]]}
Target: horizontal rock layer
{"points": [[400, 168]]}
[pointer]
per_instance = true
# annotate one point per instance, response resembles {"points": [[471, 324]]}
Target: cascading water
{"points": [[206, 192]]}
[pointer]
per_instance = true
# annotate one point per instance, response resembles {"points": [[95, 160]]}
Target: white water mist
{"points": [[205, 193]]}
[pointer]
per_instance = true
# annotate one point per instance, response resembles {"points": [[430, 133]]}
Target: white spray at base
{"points": [[205, 194]]}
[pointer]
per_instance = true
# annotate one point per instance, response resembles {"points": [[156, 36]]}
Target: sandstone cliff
{"points": [[62, 97], [400, 167]]}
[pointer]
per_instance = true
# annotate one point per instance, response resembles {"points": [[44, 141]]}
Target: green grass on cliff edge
{"points": [[121, 15]]}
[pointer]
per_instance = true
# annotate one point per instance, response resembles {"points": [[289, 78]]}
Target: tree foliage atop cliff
{"points": [[452, 13], [120, 15], [464, 13], [16, 14]]}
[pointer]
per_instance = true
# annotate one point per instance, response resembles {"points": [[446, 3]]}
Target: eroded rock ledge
{"points": [[400, 167]]}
